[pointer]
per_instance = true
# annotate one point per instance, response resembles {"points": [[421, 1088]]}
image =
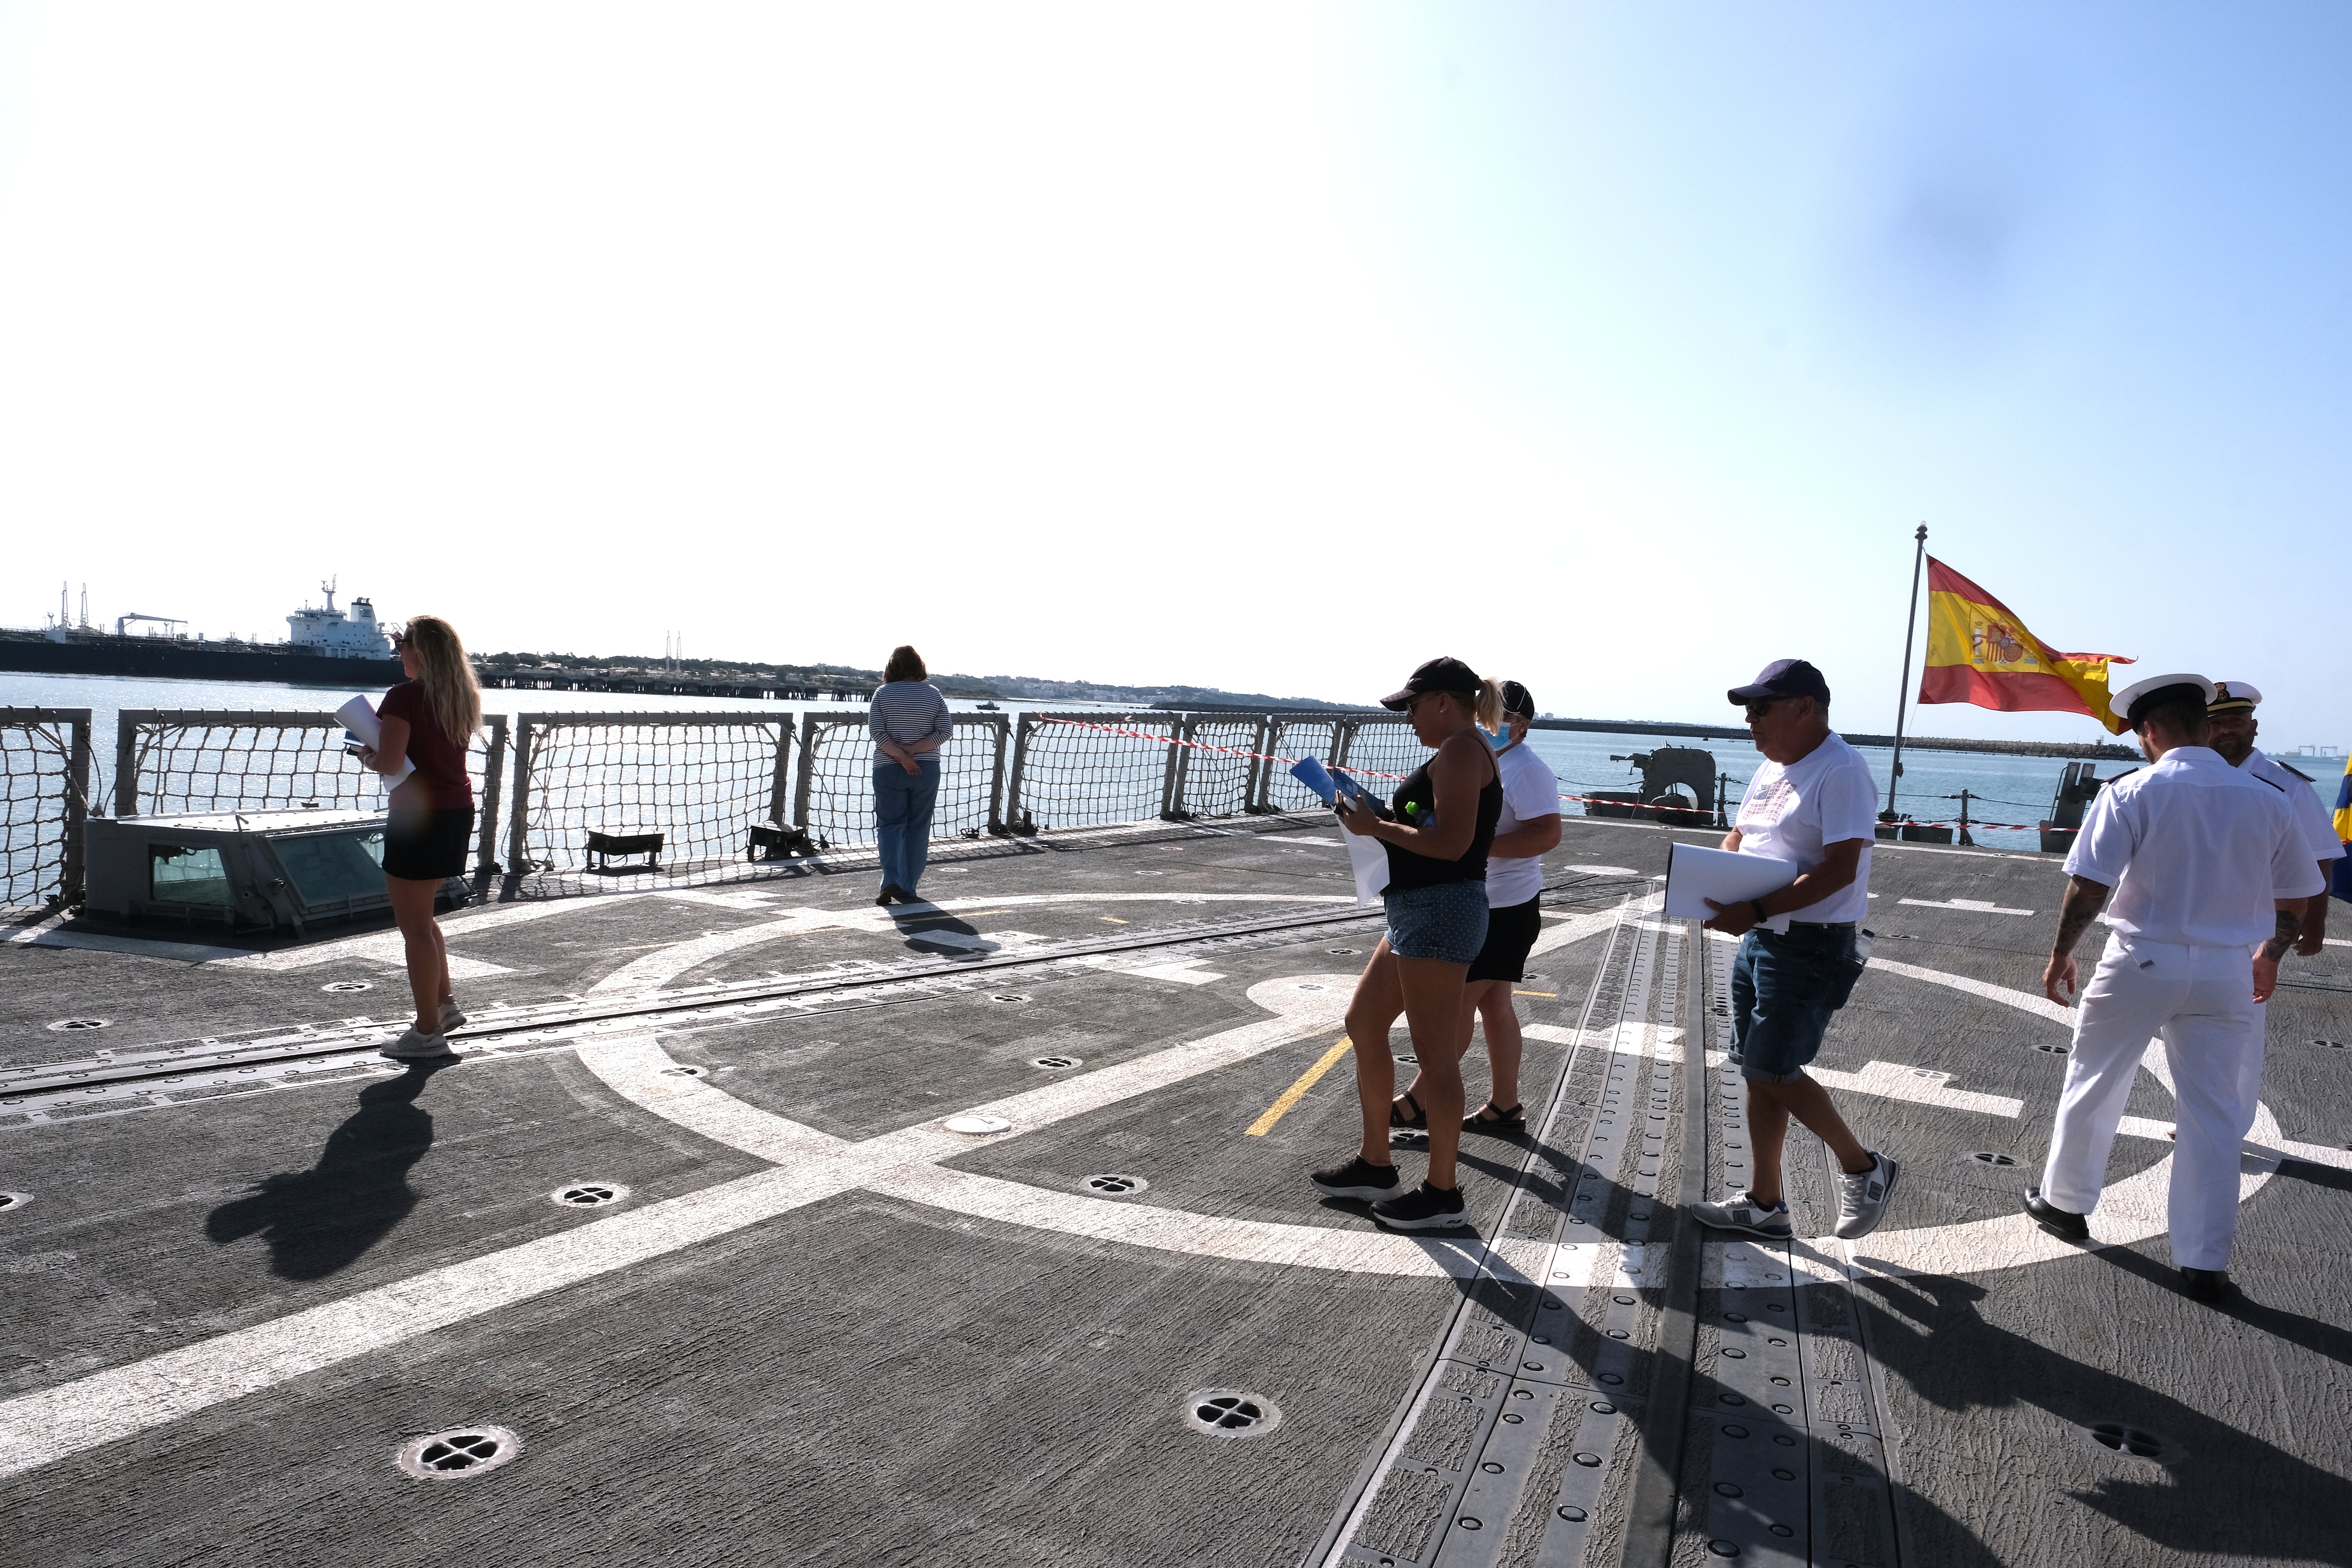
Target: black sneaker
{"points": [[1358, 1178], [1424, 1208]]}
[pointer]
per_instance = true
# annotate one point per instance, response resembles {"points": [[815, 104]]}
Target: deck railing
{"points": [[44, 802]]}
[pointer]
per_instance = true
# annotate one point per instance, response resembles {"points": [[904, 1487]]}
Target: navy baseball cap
{"points": [[1440, 674], [1516, 699], [1782, 678]]}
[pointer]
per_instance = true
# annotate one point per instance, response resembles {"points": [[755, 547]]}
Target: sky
{"points": [[1272, 347]]}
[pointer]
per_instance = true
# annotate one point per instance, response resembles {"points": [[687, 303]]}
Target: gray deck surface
{"points": [[250, 1261]]}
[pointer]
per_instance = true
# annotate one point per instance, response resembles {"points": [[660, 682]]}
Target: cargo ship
{"points": [[324, 646]]}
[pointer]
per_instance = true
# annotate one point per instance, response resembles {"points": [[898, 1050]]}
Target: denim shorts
{"points": [[1447, 923], [1783, 989]]}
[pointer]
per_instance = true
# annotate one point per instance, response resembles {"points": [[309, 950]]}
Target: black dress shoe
{"points": [[2205, 1284], [890, 890], [2055, 1220]]}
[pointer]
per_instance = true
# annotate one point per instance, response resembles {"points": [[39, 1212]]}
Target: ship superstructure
{"points": [[338, 634]]}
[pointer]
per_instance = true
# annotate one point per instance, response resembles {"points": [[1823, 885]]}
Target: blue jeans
{"points": [[1783, 989], [902, 819]]}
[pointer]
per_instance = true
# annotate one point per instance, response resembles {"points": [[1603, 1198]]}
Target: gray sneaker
{"points": [[1741, 1212], [414, 1047], [452, 1016], [1862, 1200]]}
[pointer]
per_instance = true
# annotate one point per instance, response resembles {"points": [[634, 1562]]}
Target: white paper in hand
{"points": [[1695, 875], [359, 717], [1370, 858]]}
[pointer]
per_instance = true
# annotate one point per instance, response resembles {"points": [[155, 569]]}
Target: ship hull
{"points": [[178, 662]]}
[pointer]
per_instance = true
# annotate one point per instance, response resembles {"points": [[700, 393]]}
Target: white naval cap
{"points": [[2136, 694], [2233, 697]]}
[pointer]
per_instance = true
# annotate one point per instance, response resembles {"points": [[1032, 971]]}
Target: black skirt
{"points": [[428, 846]]}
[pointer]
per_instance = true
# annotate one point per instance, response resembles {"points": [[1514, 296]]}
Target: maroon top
{"points": [[440, 761]]}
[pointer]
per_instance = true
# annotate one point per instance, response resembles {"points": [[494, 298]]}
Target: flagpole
{"points": [[1910, 627]]}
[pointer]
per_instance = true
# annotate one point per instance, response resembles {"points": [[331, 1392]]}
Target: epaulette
{"points": [[2273, 782], [2295, 770]]}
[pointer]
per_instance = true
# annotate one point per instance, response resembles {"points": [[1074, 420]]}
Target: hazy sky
{"points": [[1270, 347]]}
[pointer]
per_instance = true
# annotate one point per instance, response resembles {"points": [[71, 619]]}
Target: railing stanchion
{"points": [[126, 759], [1171, 784], [487, 852], [807, 769], [780, 789], [1017, 818], [518, 825], [997, 727]]}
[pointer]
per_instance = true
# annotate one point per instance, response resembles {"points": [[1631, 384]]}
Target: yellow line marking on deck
{"points": [[1297, 1091], [1114, 920], [1547, 996]]}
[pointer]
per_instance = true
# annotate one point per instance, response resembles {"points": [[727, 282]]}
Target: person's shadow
{"points": [[320, 1221]]}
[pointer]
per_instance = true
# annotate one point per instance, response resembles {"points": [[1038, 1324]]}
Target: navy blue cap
{"points": [[1782, 678]]}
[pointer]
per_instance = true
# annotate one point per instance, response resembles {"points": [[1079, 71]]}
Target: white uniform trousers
{"points": [[2201, 1002]]}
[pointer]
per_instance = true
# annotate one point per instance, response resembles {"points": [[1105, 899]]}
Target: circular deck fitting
{"points": [[2053, 1050], [1056, 1064], [342, 985], [590, 1194], [977, 1126], [1341, 951], [74, 1025], [1407, 1137], [686, 1071], [1573, 1515], [1409, 1058], [2335, 1045], [1991, 1157], [2133, 1440], [460, 1451], [1230, 1412], [1008, 996], [10, 1201], [1116, 1184]]}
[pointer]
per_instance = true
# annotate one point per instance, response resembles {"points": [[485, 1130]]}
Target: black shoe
{"points": [[1502, 1122], [1424, 1208], [2055, 1220], [1397, 1117], [890, 890], [2205, 1284], [1359, 1178]]}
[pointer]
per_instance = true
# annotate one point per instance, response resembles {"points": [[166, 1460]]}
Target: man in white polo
{"points": [[2204, 862]]}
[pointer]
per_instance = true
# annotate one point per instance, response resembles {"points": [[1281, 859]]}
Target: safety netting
{"points": [[1092, 769], [841, 763], [196, 760], [699, 781], [42, 805]]}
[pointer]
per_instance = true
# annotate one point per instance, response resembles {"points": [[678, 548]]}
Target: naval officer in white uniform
{"points": [[2231, 717], [2204, 862]]}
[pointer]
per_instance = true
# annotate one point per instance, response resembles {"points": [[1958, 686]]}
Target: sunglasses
{"points": [[1758, 709]]}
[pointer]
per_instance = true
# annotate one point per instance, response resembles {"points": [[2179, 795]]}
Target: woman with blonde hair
{"points": [[428, 721]]}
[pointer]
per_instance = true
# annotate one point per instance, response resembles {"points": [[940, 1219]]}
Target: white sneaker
{"points": [[1862, 1200], [416, 1046], [1742, 1213], [452, 1016]]}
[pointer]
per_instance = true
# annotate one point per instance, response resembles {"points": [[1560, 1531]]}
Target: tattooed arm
{"points": [[2084, 900], [2266, 962]]}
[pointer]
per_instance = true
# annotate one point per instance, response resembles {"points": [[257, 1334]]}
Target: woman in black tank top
{"points": [[1438, 832]]}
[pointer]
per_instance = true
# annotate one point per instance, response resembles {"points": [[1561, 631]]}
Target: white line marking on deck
{"points": [[1968, 906], [1921, 1085]]}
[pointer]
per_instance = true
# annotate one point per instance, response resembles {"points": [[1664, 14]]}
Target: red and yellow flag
{"points": [[1979, 652]]}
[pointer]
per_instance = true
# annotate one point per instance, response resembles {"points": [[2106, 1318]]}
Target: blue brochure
{"points": [[1309, 771]]}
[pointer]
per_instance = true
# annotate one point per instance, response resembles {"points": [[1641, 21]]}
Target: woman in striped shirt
{"points": [[910, 722]]}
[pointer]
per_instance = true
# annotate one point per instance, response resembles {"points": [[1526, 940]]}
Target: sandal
{"points": [[1397, 1117], [1515, 1119]]}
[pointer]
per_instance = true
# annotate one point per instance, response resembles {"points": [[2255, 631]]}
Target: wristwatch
{"points": [[1758, 905]]}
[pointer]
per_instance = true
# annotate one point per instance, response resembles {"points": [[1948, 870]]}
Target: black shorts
{"points": [[1509, 933], [428, 846]]}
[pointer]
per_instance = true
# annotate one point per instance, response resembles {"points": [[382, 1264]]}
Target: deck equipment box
{"points": [[240, 870]]}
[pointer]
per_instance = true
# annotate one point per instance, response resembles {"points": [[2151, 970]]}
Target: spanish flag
{"points": [[1979, 652]]}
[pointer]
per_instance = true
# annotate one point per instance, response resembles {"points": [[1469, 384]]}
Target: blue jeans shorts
{"points": [[1447, 923], [1783, 989]]}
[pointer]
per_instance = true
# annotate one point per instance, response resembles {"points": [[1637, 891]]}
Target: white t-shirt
{"points": [[2197, 852], [1826, 796], [2318, 827], [1530, 789]]}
